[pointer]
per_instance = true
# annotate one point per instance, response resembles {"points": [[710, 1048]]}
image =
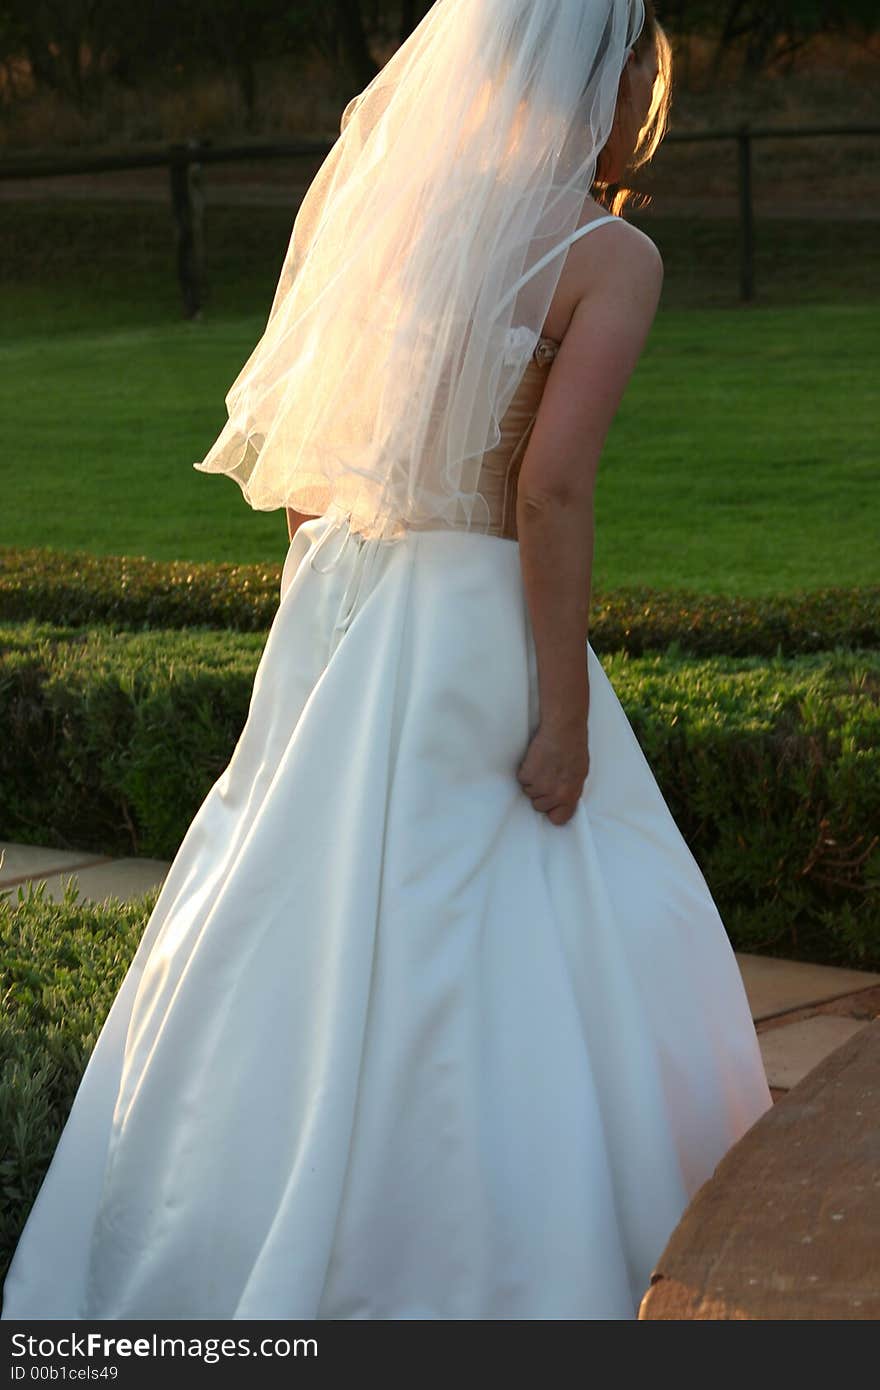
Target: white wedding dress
{"points": [[393, 1045]]}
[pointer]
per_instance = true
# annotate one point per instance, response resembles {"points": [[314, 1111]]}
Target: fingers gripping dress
{"points": [[393, 1045]]}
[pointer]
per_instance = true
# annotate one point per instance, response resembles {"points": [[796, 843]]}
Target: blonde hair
{"points": [[615, 196]]}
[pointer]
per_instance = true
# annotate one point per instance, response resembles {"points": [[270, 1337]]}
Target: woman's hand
{"points": [[555, 767]]}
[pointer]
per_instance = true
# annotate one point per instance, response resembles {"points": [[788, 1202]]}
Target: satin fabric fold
{"points": [[393, 1045]]}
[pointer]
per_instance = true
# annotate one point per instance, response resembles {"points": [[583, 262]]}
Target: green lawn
{"points": [[744, 457]]}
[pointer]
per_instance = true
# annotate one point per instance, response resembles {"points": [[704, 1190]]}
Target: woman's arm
{"points": [[554, 508]]}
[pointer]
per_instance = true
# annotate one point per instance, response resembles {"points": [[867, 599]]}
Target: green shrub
{"points": [[771, 767], [61, 965], [80, 590], [644, 620], [114, 740], [83, 590], [772, 771]]}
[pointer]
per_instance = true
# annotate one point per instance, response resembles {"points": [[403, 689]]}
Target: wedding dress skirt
{"points": [[393, 1045]]}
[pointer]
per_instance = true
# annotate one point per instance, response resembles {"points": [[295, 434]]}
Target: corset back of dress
{"points": [[499, 467]]}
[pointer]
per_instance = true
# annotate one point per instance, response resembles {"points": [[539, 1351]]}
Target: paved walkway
{"points": [[802, 1012]]}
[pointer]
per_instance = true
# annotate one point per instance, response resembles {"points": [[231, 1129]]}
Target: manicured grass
{"points": [[743, 459], [105, 462], [745, 456]]}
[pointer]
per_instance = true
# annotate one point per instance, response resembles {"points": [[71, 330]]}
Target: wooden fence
{"points": [[185, 162]]}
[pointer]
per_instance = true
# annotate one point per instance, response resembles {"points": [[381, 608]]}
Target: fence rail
{"points": [[184, 163]]}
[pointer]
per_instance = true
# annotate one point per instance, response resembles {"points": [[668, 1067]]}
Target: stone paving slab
{"points": [[21, 862], [791, 1052], [117, 878], [776, 986], [788, 1225], [865, 1004]]}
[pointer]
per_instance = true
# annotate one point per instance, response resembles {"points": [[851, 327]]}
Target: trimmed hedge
{"points": [[772, 771], [61, 965], [125, 592], [78, 589], [115, 739], [770, 767]]}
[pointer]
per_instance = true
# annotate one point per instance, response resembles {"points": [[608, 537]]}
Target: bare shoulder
{"points": [[623, 267], [617, 263], [626, 248], [640, 245], [616, 293]]}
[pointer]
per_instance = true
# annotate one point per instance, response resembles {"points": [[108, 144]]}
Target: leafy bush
{"points": [[772, 771], [135, 593], [115, 739], [77, 589], [771, 767], [61, 965]]}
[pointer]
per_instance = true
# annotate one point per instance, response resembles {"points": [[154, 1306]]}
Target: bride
{"points": [[434, 1017]]}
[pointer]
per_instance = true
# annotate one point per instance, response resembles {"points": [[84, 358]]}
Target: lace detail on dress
{"points": [[519, 345]]}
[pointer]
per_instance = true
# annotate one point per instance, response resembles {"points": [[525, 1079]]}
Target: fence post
{"points": [[186, 205], [197, 203], [746, 214]]}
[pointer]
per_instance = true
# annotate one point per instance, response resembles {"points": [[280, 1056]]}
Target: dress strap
{"points": [[588, 226], [563, 246]]}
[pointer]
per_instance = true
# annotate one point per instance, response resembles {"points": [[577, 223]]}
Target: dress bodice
{"points": [[499, 467]]}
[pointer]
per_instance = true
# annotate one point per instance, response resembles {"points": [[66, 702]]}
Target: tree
{"points": [[773, 31], [66, 42]]}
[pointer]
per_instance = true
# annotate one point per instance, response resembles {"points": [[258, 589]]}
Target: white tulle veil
{"points": [[422, 263]]}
